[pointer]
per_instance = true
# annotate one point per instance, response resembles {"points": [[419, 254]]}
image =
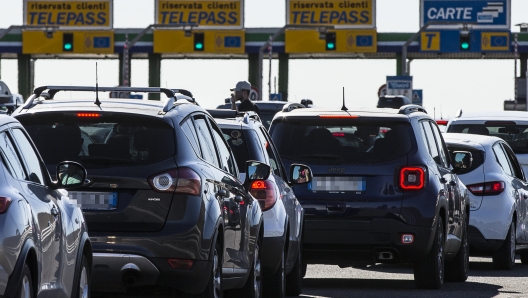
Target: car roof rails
{"points": [[409, 109], [292, 106], [251, 115], [52, 90]]}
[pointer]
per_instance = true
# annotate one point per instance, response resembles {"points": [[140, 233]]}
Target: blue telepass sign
{"points": [[491, 14]]}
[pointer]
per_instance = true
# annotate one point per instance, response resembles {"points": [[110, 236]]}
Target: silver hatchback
{"points": [[44, 246], [498, 221]]}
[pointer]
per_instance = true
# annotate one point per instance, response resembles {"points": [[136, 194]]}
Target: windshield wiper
{"points": [[107, 160]]}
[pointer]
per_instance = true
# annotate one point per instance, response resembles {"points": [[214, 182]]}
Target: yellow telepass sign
{"points": [[430, 41], [339, 13], [83, 42], [87, 14], [215, 42], [206, 14]]}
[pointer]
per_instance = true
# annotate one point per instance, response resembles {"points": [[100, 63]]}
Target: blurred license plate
{"points": [[339, 184], [94, 200]]}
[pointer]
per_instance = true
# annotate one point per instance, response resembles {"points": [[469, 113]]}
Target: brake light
{"points": [[338, 134], [4, 204], [181, 263], [264, 192], [338, 116], [441, 122], [412, 178], [88, 115], [182, 181], [487, 188]]}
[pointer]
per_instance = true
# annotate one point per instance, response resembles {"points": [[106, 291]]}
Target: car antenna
{"points": [[344, 108], [97, 102]]}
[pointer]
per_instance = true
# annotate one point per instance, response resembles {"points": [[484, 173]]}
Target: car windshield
{"points": [[515, 135], [108, 139], [342, 141]]}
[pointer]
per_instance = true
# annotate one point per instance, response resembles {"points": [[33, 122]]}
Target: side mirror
{"points": [[300, 174], [70, 175], [256, 170], [462, 160]]}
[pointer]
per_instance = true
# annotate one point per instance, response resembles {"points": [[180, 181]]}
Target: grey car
{"points": [[44, 246]]}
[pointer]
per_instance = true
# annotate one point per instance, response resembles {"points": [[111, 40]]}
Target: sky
{"points": [[449, 85]]}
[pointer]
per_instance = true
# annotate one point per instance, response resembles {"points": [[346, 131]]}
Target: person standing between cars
{"points": [[242, 90]]}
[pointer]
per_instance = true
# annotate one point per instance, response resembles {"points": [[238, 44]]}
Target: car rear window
{"points": [[515, 135], [107, 139], [245, 146], [342, 140], [477, 155]]}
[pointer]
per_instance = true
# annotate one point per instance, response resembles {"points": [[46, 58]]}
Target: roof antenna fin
{"points": [[344, 108], [97, 102]]}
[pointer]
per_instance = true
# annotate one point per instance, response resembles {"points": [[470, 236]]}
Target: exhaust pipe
{"points": [[385, 256], [130, 274]]}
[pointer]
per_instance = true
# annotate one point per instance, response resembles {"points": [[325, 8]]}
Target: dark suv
{"points": [[163, 204], [384, 190]]}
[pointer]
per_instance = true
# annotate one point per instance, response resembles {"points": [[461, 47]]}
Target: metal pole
{"points": [[515, 53], [270, 50]]}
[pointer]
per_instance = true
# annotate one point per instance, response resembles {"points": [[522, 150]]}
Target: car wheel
{"points": [[214, 285], [25, 289], [294, 279], [83, 290], [457, 269], [253, 286], [524, 256], [275, 285], [504, 258], [429, 272]]}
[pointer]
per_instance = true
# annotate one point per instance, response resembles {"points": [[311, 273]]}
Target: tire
{"points": [[457, 269], [524, 256], [294, 279], [275, 285], [25, 287], [214, 285], [429, 272], [504, 258], [253, 286], [84, 281]]}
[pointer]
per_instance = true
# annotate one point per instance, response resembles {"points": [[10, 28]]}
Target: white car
{"points": [[511, 126], [498, 192]]}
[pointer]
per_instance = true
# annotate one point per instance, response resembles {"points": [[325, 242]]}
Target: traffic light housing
{"points": [[331, 41], [465, 41], [199, 44], [67, 42]]}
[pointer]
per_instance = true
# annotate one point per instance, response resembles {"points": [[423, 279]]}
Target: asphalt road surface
{"points": [[394, 281]]}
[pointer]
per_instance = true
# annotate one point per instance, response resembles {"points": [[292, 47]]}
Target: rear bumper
{"points": [[272, 248], [479, 245], [117, 272], [350, 242], [494, 217]]}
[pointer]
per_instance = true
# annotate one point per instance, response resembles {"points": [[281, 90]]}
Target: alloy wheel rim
{"points": [[256, 274], [466, 252], [25, 288], [217, 277], [283, 276], [83, 284]]}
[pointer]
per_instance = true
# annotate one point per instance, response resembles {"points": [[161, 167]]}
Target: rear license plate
{"points": [[337, 184], [94, 200]]}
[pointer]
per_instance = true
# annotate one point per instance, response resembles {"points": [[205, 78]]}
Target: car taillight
{"points": [[4, 204], [412, 178], [442, 122], [264, 192], [487, 189], [338, 134], [88, 115], [182, 181], [181, 263]]}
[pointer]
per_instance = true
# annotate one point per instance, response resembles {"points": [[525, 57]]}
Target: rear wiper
{"points": [[107, 160]]}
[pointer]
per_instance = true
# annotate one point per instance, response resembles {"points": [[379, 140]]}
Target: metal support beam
{"points": [[524, 64], [121, 61], [253, 76], [154, 74], [284, 68], [399, 64], [25, 75]]}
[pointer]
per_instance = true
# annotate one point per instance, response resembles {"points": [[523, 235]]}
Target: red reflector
{"points": [[441, 122], [88, 115], [338, 116], [259, 184], [181, 263], [407, 239], [338, 134], [4, 204], [412, 178], [487, 189]]}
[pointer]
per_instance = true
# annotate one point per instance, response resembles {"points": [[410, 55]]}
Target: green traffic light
{"points": [[67, 46], [464, 45], [198, 46], [330, 45]]}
